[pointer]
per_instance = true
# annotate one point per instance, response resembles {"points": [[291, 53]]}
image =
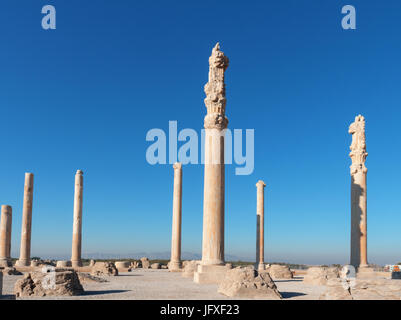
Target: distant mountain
{"points": [[151, 255]]}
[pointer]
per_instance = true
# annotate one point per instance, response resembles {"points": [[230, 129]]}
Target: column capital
{"points": [[177, 166], [358, 152], [260, 184], [80, 172], [215, 91]]}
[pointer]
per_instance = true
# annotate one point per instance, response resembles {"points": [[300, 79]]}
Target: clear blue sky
{"points": [[83, 96]]}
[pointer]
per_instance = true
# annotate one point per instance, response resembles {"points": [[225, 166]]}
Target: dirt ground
{"points": [[149, 284]]}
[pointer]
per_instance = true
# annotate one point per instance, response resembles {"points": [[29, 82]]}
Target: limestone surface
{"points": [[366, 289], [215, 122], [155, 266], [25, 251], [279, 271], [175, 260], [189, 268], [320, 275], [145, 263], [63, 264], [359, 171], [104, 268], [86, 277], [248, 283], [122, 264], [65, 283]]}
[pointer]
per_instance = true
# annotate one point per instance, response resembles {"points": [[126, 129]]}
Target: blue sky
{"points": [[84, 96]]}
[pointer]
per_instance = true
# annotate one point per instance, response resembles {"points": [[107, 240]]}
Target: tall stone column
{"points": [[215, 123], [77, 224], [25, 252], [175, 261], [359, 171], [5, 236], [260, 223]]}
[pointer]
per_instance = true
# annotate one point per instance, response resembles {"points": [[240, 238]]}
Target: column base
{"points": [[210, 274], [76, 264], [364, 271], [261, 267], [23, 263], [175, 266]]}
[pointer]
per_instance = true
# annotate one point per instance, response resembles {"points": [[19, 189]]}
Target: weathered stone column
{"points": [[213, 202], [5, 236], [260, 223], [359, 171], [175, 261], [77, 224], [25, 252]]}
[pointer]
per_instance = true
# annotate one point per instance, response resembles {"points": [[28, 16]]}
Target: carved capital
{"points": [[215, 90], [215, 121], [358, 152]]}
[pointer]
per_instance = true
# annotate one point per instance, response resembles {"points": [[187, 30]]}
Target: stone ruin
{"points": [[104, 268], [86, 277], [277, 271], [362, 289], [248, 283], [121, 265], [155, 266], [189, 268], [321, 275], [40, 284], [145, 263]]}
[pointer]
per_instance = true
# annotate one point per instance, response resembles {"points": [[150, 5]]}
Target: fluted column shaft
{"points": [[213, 202], [77, 223], [260, 222], [25, 252], [175, 261], [359, 241], [5, 236]]}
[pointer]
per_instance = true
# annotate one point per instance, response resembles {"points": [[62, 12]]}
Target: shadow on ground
{"points": [[93, 293], [287, 295]]}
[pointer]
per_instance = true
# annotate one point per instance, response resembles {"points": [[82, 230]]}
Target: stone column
{"points": [[5, 236], [77, 224], [260, 223], [215, 123], [175, 261], [359, 171], [25, 252]]}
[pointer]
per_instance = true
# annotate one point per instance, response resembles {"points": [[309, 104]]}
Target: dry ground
{"points": [[148, 284]]}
